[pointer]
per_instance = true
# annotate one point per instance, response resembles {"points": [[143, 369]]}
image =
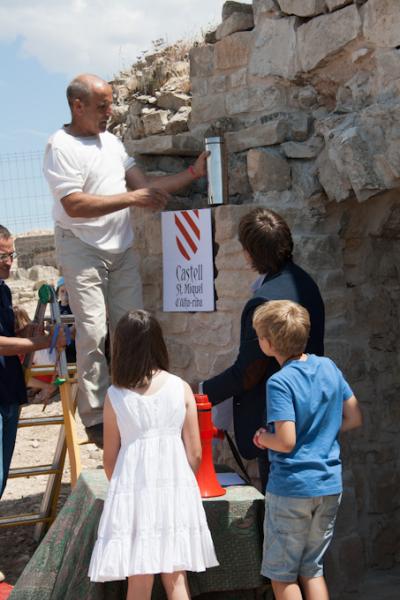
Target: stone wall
{"points": [[306, 94]]}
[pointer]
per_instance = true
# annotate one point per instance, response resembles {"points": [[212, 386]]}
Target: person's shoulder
{"points": [[60, 140], [298, 272], [109, 138], [58, 136]]}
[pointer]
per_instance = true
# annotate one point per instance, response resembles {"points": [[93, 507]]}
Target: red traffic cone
{"points": [[206, 477]]}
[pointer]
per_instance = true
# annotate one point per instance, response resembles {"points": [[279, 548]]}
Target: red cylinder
{"points": [[206, 476]]}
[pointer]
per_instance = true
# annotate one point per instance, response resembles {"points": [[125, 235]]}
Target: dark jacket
{"points": [[12, 383], [246, 379]]}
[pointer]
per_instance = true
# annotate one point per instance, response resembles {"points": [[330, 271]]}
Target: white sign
{"points": [[188, 272]]}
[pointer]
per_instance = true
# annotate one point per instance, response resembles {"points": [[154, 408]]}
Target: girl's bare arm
{"points": [[112, 438], [190, 431]]}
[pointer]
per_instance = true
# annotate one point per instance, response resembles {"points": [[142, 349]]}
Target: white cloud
{"points": [[100, 36]]}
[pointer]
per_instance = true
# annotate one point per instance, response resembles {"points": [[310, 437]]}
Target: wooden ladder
{"points": [[67, 438]]}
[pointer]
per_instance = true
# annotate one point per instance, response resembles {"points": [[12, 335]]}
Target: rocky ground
{"points": [[35, 446]]}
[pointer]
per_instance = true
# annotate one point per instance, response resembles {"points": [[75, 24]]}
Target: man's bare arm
{"points": [[11, 346], [137, 179], [80, 204]]}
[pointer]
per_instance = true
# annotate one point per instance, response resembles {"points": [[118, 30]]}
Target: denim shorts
{"points": [[297, 533]]}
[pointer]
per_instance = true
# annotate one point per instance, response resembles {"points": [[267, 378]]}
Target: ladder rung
{"points": [[31, 471], [33, 421], [29, 519]]}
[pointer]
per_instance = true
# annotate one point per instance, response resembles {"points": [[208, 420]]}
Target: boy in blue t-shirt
{"points": [[308, 403]]}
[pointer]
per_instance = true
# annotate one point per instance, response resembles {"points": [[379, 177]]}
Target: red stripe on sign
{"points": [[196, 212], [182, 249], [185, 234], [192, 224]]}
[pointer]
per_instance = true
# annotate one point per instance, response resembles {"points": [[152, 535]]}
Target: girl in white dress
{"points": [[153, 519]]}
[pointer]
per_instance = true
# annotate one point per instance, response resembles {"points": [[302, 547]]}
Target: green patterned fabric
{"points": [[58, 569]]}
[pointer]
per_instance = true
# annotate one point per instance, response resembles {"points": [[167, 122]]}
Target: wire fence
{"points": [[25, 200]]}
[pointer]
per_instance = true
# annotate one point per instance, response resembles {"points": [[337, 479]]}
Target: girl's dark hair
{"points": [[266, 236], [138, 350]]}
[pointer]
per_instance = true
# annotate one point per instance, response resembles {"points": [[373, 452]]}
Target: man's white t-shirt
{"points": [[94, 165]]}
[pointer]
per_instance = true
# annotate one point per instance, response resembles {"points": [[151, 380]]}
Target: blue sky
{"points": [[44, 43]]}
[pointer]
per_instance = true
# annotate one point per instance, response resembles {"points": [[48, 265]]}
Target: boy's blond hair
{"points": [[285, 324]]}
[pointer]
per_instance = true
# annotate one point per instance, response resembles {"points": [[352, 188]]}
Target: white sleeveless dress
{"points": [[153, 519]]}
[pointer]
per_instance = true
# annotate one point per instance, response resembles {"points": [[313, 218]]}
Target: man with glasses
{"points": [[12, 384]]}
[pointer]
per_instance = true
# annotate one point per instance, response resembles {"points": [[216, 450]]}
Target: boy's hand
{"points": [[256, 438]]}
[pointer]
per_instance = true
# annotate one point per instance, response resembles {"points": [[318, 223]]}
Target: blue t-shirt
{"points": [[310, 393]]}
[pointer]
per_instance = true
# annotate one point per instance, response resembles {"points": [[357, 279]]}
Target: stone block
{"points": [[227, 220], [308, 149], [342, 573], [201, 61], [173, 323], [335, 4], [216, 84], [44, 274], [238, 182], [265, 9], [236, 22], [267, 171], [219, 336], [302, 8], [135, 128], [181, 355], [337, 187], [179, 122], [274, 51], [238, 78], [135, 107], [255, 99], [150, 268], [204, 362], [233, 51], [208, 108], [210, 37], [183, 144], [267, 134], [199, 86], [323, 36], [173, 100], [299, 126], [151, 296], [119, 113], [321, 251], [230, 7], [305, 178], [227, 285], [381, 24], [155, 122], [35, 249]]}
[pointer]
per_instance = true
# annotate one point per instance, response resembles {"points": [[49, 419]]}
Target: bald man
{"points": [[94, 184]]}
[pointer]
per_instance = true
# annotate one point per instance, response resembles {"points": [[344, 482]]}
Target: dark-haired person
{"points": [[267, 245], [94, 184], [12, 383]]}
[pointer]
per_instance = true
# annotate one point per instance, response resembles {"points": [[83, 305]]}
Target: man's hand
{"points": [[30, 330], [199, 167], [153, 198]]}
